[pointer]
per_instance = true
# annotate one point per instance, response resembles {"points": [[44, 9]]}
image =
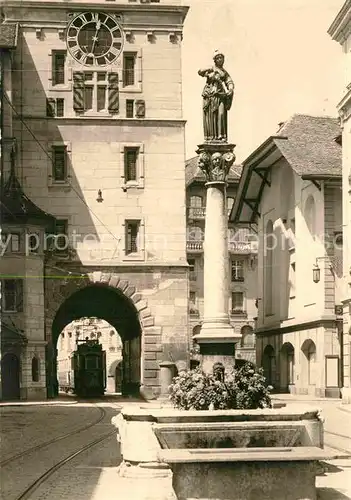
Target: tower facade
{"points": [[94, 97]]}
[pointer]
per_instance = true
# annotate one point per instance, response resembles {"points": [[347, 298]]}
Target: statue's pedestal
{"points": [[217, 337]]}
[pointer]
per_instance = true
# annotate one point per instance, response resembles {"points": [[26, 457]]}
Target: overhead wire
{"points": [[68, 181]]}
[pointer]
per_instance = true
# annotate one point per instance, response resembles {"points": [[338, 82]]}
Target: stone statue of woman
{"points": [[217, 100]]}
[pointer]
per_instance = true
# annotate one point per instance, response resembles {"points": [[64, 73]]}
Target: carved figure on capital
{"points": [[216, 166]]}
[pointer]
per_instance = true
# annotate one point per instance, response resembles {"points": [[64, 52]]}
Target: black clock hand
{"points": [[95, 37]]}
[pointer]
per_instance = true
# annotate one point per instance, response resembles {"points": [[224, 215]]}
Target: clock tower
{"points": [[95, 103]]}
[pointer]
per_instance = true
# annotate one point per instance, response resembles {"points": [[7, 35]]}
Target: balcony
{"points": [[196, 213], [238, 247], [243, 247], [194, 246]]}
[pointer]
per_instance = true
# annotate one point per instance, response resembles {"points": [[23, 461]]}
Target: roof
{"points": [[311, 146], [8, 36], [17, 208], [341, 25], [194, 174]]}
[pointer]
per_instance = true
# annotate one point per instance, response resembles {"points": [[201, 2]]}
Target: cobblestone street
{"points": [[34, 438]]}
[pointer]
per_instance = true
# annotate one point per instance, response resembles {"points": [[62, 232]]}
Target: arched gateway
{"points": [[107, 297]]}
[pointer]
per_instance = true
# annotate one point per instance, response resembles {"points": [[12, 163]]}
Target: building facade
{"points": [[95, 129], [291, 187], [340, 31], [91, 328], [242, 263]]}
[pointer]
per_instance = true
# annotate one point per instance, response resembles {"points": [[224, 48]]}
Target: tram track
{"points": [[35, 485], [40, 446]]}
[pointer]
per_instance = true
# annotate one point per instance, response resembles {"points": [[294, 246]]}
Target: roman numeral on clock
{"points": [[95, 17], [84, 19]]}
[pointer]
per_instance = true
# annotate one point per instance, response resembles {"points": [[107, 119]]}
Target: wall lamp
{"points": [[316, 269], [99, 199]]}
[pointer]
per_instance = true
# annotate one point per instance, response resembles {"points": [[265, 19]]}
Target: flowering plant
{"points": [[242, 388]]}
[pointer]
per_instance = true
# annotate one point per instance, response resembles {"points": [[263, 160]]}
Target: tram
{"points": [[87, 374]]}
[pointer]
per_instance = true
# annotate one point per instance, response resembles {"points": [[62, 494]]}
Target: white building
{"points": [[340, 31], [291, 190]]}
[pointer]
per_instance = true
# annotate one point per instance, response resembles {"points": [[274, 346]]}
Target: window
{"points": [[192, 273], [268, 268], [130, 164], [95, 92], [55, 107], [192, 303], [129, 60], [59, 163], [230, 203], [58, 67], [196, 201], [33, 243], [292, 280], [35, 369], [10, 242], [12, 297], [237, 302], [61, 231], [129, 108], [196, 209], [132, 234], [237, 270], [60, 107], [247, 336]]}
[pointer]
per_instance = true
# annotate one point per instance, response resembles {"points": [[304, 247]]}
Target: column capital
{"points": [[215, 160]]}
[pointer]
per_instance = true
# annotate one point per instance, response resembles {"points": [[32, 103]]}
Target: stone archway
{"points": [[133, 320]]}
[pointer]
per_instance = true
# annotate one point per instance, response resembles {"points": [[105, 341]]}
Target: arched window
{"points": [[230, 203], [35, 369], [310, 214], [195, 201], [247, 336], [268, 268]]}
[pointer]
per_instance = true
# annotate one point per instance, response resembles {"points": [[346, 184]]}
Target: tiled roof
{"points": [[309, 144], [8, 36], [194, 173]]}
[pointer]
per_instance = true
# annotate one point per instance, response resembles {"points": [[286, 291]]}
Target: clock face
{"points": [[94, 38]]}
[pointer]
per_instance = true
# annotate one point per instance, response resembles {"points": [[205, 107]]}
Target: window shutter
{"points": [[113, 93], [50, 107], [78, 91], [140, 108]]}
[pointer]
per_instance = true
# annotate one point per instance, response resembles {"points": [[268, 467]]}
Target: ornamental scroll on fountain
{"points": [[216, 338]]}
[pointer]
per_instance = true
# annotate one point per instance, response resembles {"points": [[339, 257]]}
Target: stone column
{"points": [[217, 337]]}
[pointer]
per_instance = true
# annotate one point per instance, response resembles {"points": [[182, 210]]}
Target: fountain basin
{"points": [[223, 455]]}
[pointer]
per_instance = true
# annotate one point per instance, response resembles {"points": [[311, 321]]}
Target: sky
{"points": [[279, 55]]}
